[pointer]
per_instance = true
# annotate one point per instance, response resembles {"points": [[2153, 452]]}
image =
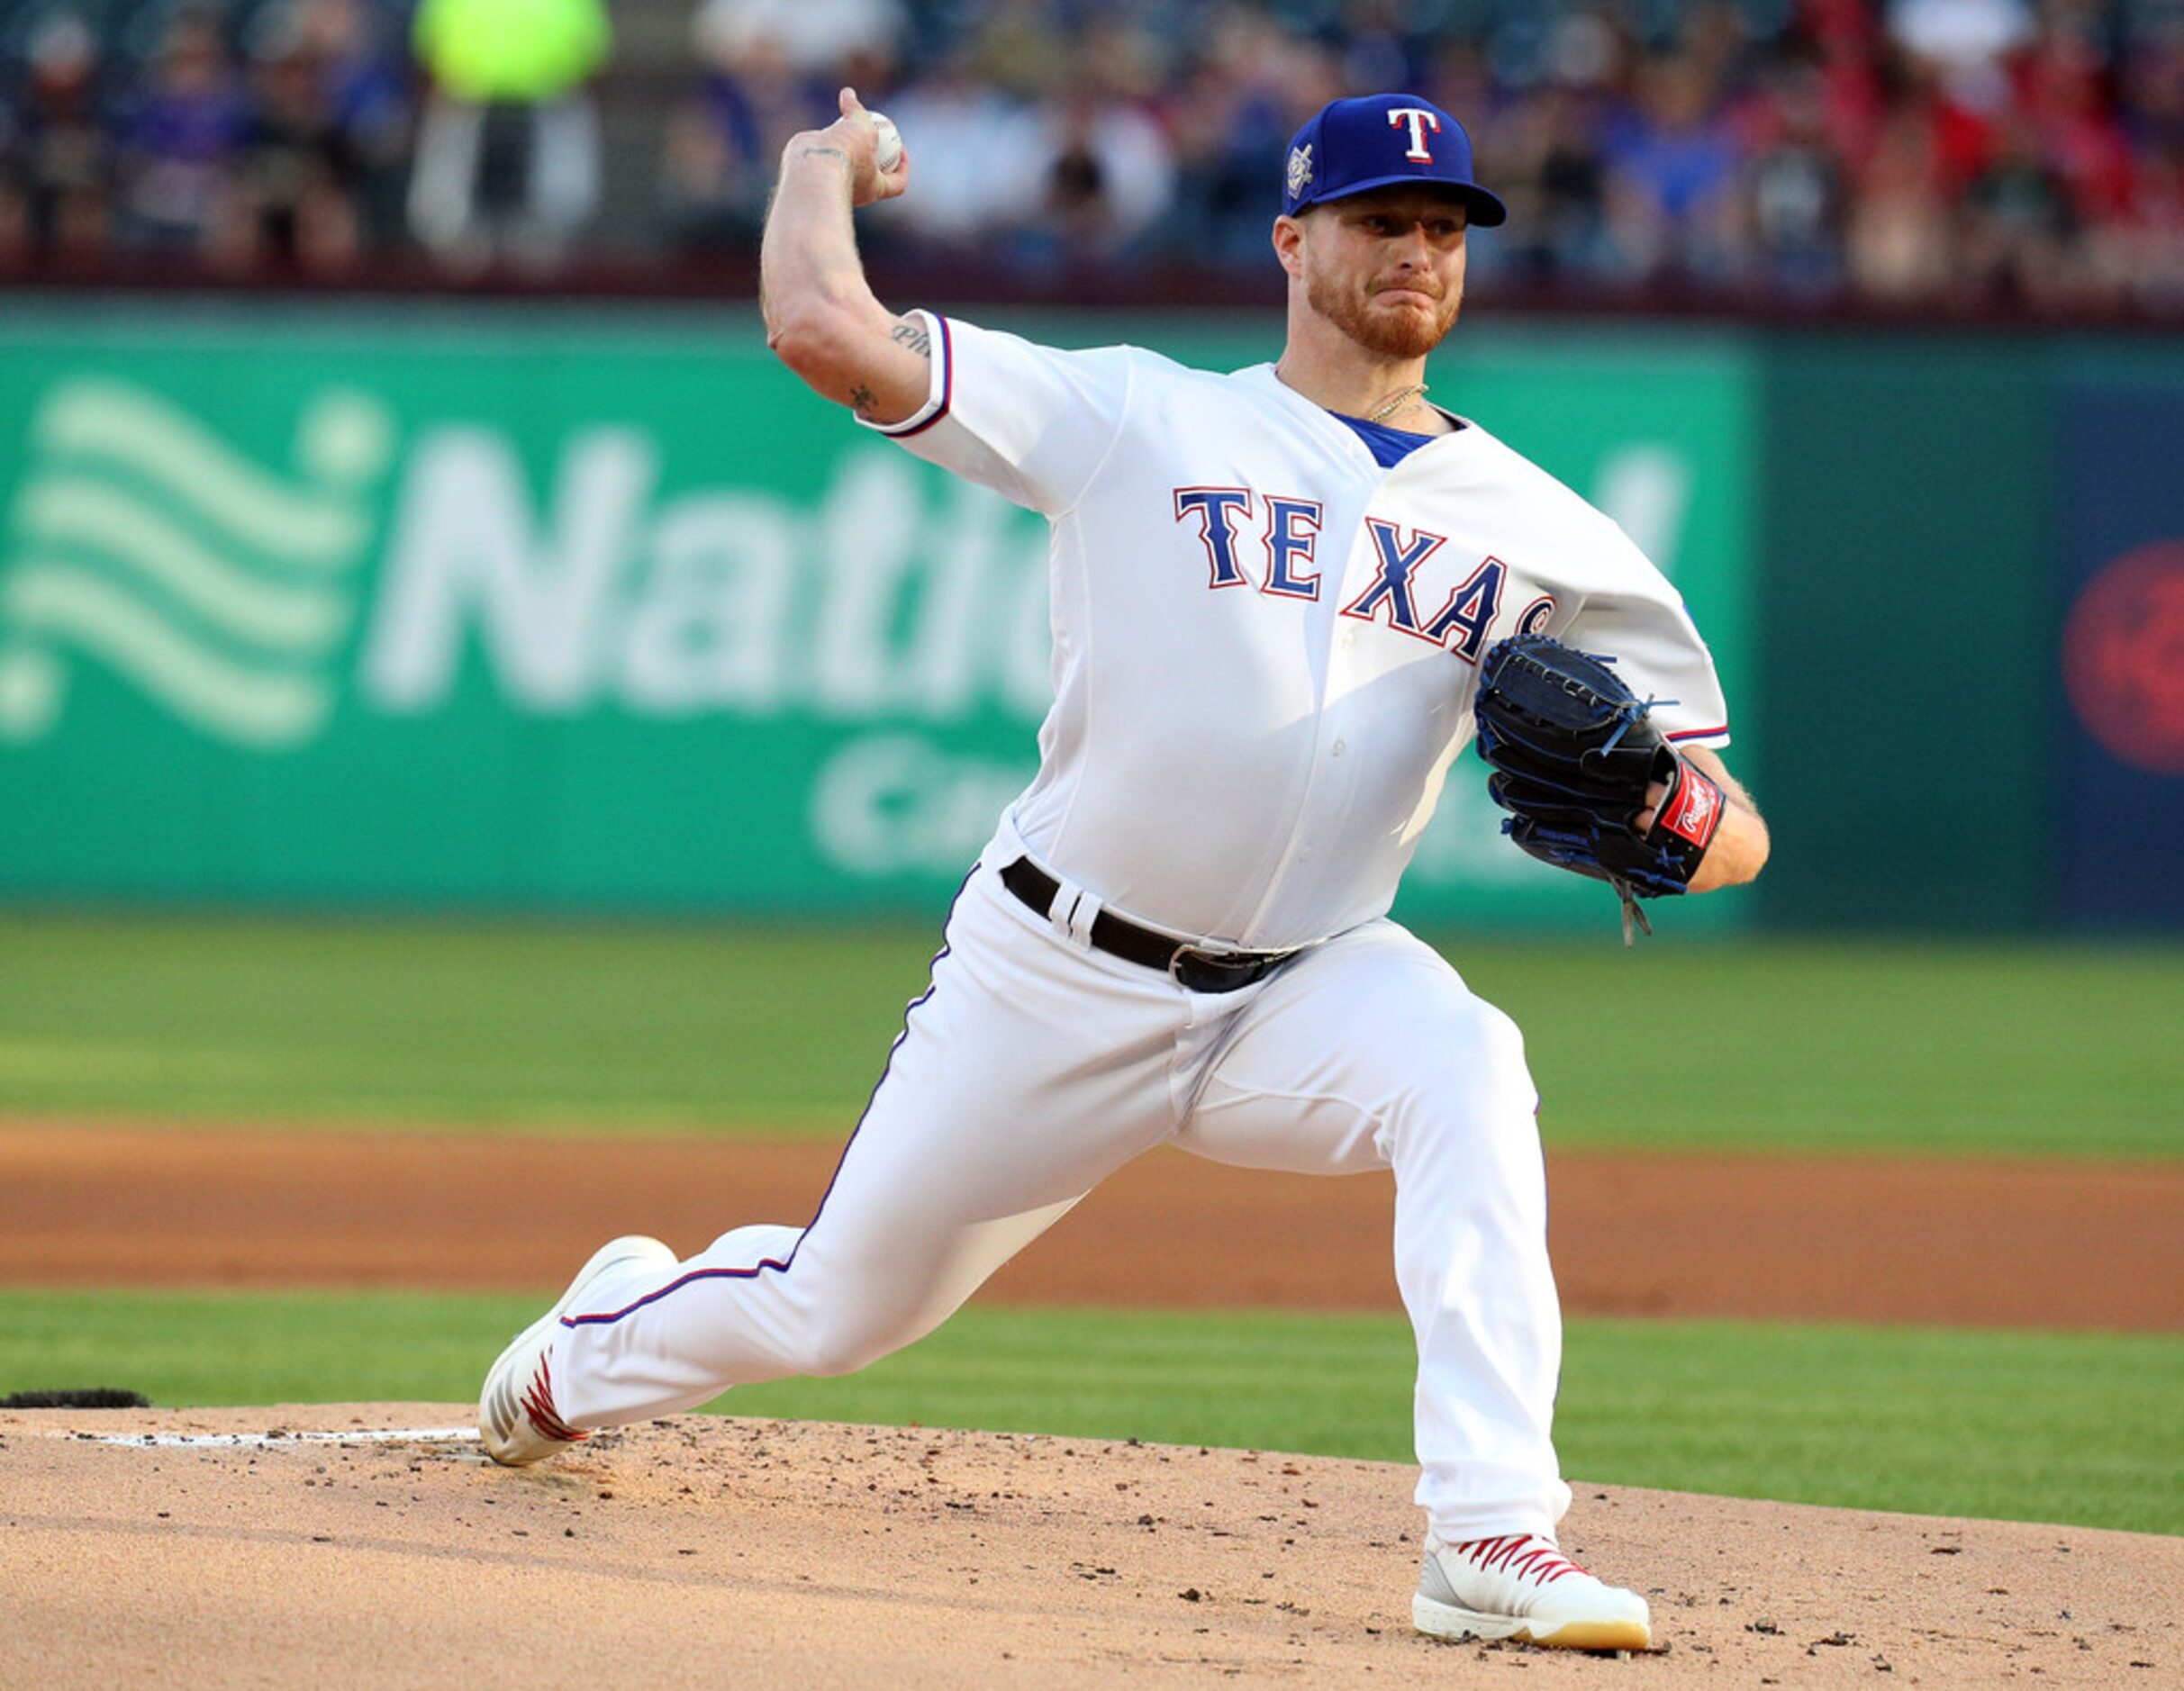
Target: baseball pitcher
{"points": [[1285, 600]]}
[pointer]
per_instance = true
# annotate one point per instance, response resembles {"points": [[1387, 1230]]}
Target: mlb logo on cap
{"points": [[1383, 140]]}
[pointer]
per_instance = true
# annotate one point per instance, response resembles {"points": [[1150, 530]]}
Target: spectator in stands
{"points": [[1104, 177], [299, 180], [2021, 155], [56, 160], [2149, 236], [2149, 243], [1966, 41], [807, 38], [1021, 48], [1233, 110], [2153, 78], [724, 143], [1544, 152], [1383, 44], [974, 149], [1550, 175], [181, 141], [366, 85], [508, 150], [1105, 170], [1794, 183], [2018, 225], [1844, 46], [1897, 237], [1673, 179]]}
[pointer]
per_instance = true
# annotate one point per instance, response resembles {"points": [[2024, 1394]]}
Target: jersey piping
{"points": [[940, 391]]}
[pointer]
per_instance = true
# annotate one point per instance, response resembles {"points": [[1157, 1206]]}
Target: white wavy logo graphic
{"points": [[217, 587]]}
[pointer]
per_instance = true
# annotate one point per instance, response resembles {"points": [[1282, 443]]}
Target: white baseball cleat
{"points": [[516, 1416], [1520, 1587]]}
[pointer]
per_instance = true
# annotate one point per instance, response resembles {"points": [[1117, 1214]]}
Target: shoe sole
{"points": [[629, 1248], [1445, 1620]]}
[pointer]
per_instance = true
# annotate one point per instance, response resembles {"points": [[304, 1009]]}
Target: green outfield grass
{"points": [[2078, 1428], [1892, 1046]]}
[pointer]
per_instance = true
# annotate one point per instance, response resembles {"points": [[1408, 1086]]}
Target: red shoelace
{"points": [[1542, 1562]]}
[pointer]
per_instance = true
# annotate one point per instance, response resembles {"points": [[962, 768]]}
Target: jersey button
{"points": [[1338, 749]]}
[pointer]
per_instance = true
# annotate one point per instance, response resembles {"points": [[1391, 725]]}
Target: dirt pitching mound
{"points": [[370, 1545]]}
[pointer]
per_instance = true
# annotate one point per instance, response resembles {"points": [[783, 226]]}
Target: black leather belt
{"points": [[1191, 966]]}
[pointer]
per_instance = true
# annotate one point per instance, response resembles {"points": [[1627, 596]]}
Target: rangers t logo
{"points": [[1420, 119]]}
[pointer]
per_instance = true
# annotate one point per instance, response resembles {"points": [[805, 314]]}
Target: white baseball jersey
{"points": [[1265, 649], [1265, 645]]}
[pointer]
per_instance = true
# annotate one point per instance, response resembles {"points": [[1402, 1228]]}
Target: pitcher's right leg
{"points": [[1371, 1052]]}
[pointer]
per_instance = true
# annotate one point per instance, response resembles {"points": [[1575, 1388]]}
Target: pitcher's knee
{"points": [[1456, 1041], [1475, 1087], [843, 1342], [1487, 1061]]}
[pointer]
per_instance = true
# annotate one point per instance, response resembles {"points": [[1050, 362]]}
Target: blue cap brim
{"points": [[1485, 210]]}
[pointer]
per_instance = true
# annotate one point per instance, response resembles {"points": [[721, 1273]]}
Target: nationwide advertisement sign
{"points": [[535, 612]]}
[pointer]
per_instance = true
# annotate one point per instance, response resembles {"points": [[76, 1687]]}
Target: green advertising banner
{"points": [[535, 611]]}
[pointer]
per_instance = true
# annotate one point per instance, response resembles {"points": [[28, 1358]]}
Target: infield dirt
{"points": [[1957, 1242], [703, 1552]]}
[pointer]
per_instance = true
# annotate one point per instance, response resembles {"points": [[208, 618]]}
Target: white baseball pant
{"points": [[1033, 1067]]}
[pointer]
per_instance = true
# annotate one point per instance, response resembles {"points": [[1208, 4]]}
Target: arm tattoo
{"points": [[915, 336], [862, 398], [824, 152]]}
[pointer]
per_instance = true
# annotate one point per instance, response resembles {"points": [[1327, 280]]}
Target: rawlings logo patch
{"points": [[1300, 169], [1693, 811]]}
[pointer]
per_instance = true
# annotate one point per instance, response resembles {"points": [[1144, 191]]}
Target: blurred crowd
{"points": [[2018, 155]]}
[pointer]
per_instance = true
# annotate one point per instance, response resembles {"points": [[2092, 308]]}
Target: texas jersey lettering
{"points": [[1195, 595], [1289, 537]]}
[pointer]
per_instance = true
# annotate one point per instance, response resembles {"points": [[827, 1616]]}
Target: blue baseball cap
{"points": [[1383, 140]]}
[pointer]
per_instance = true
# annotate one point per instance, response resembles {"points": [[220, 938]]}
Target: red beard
{"points": [[1393, 335]]}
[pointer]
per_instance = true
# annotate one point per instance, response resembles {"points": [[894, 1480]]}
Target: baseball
{"points": [[890, 152]]}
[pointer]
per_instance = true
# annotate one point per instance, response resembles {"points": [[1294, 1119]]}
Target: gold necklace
{"points": [[1388, 408]]}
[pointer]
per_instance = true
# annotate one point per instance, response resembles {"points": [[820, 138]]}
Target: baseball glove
{"points": [[1573, 750]]}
